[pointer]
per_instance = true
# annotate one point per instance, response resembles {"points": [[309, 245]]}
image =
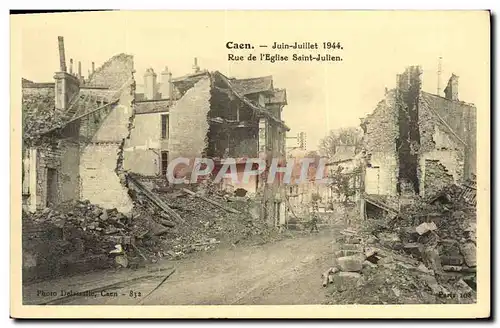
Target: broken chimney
{"points": [[166, 81], [451, 90], [150, 86], [66, 85], [196, 68], [62, 57]]}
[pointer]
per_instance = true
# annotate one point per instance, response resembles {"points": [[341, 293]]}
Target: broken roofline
{"points": [[366, 120], [256, 107]]}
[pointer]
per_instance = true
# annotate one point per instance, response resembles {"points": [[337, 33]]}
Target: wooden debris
{"points": [[155, 200], [167, 223], [138, 251], [213, 202]]}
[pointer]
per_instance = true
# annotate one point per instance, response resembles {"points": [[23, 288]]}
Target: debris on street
{"points": [[424, 254], [78, 236]]}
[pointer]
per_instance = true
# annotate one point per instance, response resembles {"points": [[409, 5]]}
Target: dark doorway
{"points": [[164, 163], [51, 186]]}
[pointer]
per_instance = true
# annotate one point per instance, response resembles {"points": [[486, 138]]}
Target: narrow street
{"points": [[285, 272]]}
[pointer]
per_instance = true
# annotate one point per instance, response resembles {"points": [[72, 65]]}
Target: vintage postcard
{"points": [[250, 164]]}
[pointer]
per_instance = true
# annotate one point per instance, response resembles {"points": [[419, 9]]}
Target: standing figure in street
{"points": [[314, 219]]}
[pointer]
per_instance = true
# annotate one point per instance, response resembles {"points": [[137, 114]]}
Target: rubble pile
{"points": [[206, 226], [443, 226], [79, 231], [40, 115], [424, 254], [198, 219]]}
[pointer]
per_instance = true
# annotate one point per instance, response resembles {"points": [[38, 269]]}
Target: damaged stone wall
{"points": [[471, 131], [142, 150], [380, 133], [101, 162], [439, 145], [460, 117], [437, 177], [69, 171], [408, 142], [188, 119], [61, 157], [113, 73]]}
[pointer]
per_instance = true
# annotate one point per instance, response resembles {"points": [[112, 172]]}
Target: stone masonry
{"points": [[100, 165], [188, 119]]}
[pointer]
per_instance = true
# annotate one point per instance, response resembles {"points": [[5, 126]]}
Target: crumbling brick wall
{"points": [[101, 159], [113, 73], [188, 119]]}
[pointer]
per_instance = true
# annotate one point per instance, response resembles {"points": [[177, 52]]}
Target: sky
{"points": [[321, 96]]}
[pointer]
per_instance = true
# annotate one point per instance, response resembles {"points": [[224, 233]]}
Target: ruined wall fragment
{"points": [[142, 150], [113, 73], [460, 117], [438, 143], [408, 142], [437, 176], [101, 164], [379, 142], [188, 119]]}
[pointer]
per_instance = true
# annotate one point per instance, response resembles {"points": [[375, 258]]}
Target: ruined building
{"points": [[73, 132], [417, 142], [208, 115], [82, 135], [205, 114]]}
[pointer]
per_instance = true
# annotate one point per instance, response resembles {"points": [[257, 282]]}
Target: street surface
{"points": [[284, 272]]}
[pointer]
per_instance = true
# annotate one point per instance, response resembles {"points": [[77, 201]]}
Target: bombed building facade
{"points": [[83, 135], [73, 130], [417, 142], [208, 115]]}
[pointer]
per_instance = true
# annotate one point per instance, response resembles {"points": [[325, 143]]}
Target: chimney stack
{"points": [[196, 68], [62, 58], [66, 84], [451, 90], [150, 86], [166, 84], [93, 67], [79, 69]]}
